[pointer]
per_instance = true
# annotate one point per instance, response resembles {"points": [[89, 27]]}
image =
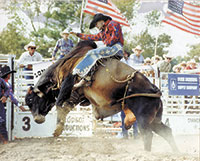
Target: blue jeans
{"points": [[124, 131], [28, 76], [3, 130], [93, 55]]}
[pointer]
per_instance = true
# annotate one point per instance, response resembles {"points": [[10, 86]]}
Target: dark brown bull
{"points": [[111, 82]]}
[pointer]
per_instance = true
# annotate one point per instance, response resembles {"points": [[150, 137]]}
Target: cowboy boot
{"points": [[80, 83], [86, 81]]}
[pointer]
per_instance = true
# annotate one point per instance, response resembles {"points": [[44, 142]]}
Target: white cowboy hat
{"points": [[138, 47], [176, 67], [168, 56], [156, 57], [30, 44], [191, 62], [147, 59], [64, 32]]}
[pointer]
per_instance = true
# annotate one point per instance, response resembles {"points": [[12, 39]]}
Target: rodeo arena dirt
{"points": [[86, 139]]}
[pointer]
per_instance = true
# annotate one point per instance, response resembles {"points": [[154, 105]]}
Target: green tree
{"points": [[126, 7], [52, 16], [147, 43], [146, 39], [194, 51], [12, 40]]}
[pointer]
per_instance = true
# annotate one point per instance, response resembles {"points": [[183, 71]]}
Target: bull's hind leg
{"points": [[146, 133], [61, 118], [166, 132]]}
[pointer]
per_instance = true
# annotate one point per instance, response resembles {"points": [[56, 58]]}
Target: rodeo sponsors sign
{"points": [[39, 68], [183, 84], [182, 124], [79, 124]]}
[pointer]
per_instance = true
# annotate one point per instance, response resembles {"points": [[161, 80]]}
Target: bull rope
{"points": [[128, 80]]}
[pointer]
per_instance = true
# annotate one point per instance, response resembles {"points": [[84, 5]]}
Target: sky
{"points": [[181, 39]]}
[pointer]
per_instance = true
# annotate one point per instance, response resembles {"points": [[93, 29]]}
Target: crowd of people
{"points": [[111, 35], [149, 66]]}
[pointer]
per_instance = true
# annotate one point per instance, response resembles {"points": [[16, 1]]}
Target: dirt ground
{"points": [[100, 147]]}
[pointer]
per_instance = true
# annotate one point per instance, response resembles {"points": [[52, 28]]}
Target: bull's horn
{"points": [[39, 119], [39, 93]]}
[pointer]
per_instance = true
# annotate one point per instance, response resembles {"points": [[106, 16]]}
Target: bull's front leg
{"points": [[61, 118]]}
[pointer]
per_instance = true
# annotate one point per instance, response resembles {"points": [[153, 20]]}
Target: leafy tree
{"points": [[52, 16], [126, 7], [195, 51], [48, 18], [12, 41], [147, 42]]}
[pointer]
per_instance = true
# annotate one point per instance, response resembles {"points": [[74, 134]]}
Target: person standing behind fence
{"points": [[27, 58], [165, 65], [64, 45], [3, 97], [6, 91], [6, 74], [137, 58]]}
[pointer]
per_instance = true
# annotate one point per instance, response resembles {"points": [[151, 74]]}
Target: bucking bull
{"points": [[115, 87]]}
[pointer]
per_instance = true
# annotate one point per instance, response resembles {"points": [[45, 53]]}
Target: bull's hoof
{"points": [[127, 127], [58, 131], [39, 119]]}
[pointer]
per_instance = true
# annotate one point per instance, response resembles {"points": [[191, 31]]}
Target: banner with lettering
{"points": [[183, 84], [39, 68]]}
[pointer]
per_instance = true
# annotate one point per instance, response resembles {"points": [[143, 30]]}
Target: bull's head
{"points": [[39, 104]]}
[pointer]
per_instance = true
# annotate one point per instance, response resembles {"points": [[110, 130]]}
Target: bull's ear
{"points": [[30, 90]]}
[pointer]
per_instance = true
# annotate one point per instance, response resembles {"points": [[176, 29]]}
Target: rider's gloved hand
{"points": [[73, 33]]}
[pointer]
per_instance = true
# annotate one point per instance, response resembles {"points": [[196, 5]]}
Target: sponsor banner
{"points": [[39, 68], [182, 124], [79, 124], [183, 84]]}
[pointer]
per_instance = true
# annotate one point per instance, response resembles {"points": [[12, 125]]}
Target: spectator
{"points": [[155, 59], [6, 74], [27, 58], [177, 69], [126, 58], [183, 65], [147, 61], [148, 71], [3, 97], [191, 65], [64, 45], [124, 133], [137, 58], [165, 65], [5, 91]]}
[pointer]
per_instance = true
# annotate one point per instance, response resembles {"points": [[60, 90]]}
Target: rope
{"points": [[154, 95], [126, 88], [129, 77]]}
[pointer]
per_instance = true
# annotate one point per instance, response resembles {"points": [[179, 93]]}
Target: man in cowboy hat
{"points": [[4, 93], [64, 45], [165, 65], [137, 58], [111, 35], [5, 75], [27, 58]]}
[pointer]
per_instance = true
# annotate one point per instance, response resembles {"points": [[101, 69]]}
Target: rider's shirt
{"points": [[110, 35]]}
